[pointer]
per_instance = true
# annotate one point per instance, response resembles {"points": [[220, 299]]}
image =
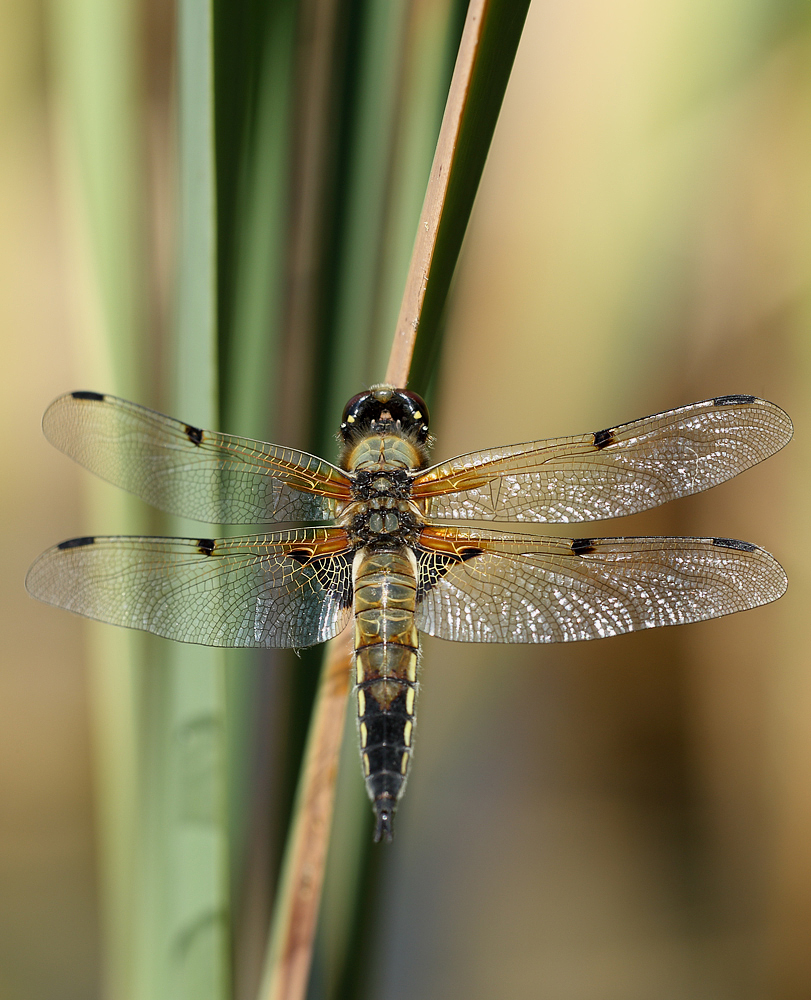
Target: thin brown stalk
{"points": [[419, 271], [296, 912], [299, 894]]}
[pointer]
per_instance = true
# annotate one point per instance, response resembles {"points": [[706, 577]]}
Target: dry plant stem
{"points": [[296, 911], [422, 255], [302, 877]]}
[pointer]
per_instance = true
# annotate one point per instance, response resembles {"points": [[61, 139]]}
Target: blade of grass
{"points": [[196, 378], [277, 145], [96, 58], [255, 161], [253, 338], [486, 54], [319, 30], [430, 48], [98, 114], [200, 938], [184, 917], [373, 121]]}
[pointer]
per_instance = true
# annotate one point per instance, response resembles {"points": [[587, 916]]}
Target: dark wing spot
{"points": [[88, 395], [301, 556], [77, 543], [583, 546], [733, 543], [194, 434], [602, 439], [432, 566], [205, 546], [732, 400], [469, 553]]}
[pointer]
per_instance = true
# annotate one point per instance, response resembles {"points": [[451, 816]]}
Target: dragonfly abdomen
{"points": [[386, 641]]}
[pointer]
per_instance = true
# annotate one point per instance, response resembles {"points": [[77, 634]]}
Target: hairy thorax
{"points": [[381, 513]]}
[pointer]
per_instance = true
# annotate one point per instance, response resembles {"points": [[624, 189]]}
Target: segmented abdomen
{"points": [[385, 674]]}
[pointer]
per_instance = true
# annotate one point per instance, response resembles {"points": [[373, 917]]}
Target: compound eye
{"points": [[417, 407], [353, 406]]}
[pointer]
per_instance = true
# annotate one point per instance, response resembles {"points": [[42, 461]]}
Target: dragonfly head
{"points": [[382, 409]]}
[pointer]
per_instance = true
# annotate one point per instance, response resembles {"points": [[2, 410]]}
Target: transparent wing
{"points": [[608, 473], [289, 588], [185, 470], [481, 586]]}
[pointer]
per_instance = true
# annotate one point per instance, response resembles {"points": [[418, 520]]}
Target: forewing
{"points": [[289, 588], [192, 472], [611, 472], [481, 586]]}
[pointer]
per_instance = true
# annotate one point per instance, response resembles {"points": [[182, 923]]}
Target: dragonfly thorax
{"points": [[381, 513], [376, 483], [382, 521]]}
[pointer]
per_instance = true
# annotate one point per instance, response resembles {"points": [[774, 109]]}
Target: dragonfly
{"points": [[387, 548]]}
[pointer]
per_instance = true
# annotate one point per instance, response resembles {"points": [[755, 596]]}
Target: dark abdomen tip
{"points": [[384, 809]]}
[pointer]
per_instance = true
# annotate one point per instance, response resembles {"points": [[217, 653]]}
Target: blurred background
{"points": [[625, 819]]}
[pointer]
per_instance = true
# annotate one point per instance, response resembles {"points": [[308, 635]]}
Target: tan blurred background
{"points": [[628, 819], [48, 920]]}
